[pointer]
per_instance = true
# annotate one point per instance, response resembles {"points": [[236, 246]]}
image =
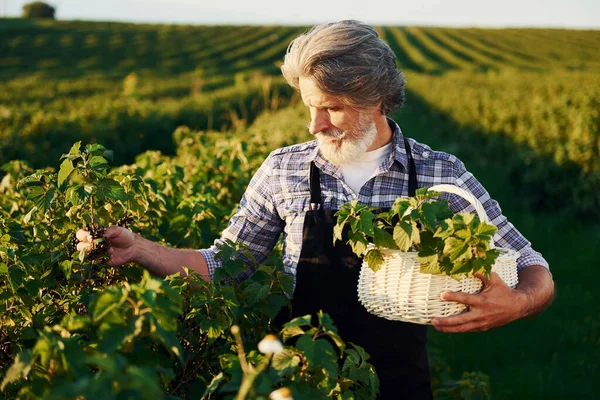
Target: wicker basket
{"points": [[400, 292]]}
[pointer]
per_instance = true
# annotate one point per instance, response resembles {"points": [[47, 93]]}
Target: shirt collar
{"points": [[397, 153]]}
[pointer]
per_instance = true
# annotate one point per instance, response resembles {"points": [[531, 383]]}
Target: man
{"points": [[347, 77]]}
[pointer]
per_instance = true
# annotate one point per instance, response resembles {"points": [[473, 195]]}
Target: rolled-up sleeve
{"points": [[507, 235], [255, 223]]}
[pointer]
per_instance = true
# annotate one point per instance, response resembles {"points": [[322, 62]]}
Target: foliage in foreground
{"points": [[72, 326]]}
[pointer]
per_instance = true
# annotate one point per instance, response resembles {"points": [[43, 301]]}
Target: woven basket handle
{"points": [[467, 196]]}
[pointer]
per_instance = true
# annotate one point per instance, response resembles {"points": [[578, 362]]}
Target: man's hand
{"points": [[126, 246], [122, 249], [496, 305]]}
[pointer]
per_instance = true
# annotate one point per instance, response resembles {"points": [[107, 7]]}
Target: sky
{"points": [[581, 14]]}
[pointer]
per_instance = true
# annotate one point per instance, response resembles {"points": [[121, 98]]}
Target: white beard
{"points": [[339, 147]]}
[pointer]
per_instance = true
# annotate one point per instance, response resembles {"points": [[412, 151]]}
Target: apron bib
{"points": [[327, 279]]}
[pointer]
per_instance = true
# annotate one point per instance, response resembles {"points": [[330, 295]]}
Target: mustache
{"points": [[332, 133]]}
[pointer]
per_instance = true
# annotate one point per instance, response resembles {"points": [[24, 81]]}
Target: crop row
{"points": [[130, 124], [543, 127], [122, 48]]}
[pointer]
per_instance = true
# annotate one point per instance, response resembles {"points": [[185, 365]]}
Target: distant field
{"points": [[521, 107]]}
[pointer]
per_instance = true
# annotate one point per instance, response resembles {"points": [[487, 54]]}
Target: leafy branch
{"points": [[445, 243]]}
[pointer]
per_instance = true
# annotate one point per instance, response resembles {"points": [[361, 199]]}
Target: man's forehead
{"points": [[312, 95]]}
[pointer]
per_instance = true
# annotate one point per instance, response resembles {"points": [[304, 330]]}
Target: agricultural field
{"points": [[189, 113]]}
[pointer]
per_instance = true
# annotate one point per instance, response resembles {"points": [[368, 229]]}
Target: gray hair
{"points": [[347, 59]]}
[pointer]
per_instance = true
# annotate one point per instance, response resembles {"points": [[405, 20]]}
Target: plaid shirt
{"points": [[278, 196]]}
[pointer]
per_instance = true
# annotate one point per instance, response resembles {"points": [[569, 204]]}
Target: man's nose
{"points": [[319, 122]]}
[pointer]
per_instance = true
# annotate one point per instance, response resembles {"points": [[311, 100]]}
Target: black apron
{"points": [[327, 279]]}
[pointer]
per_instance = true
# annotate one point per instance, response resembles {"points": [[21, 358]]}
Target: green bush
{"points": [[38, 9]]}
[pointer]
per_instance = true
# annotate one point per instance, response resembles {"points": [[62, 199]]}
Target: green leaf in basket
{"points": [[416, 236], [400, 206], [445, 265], [428, 258], [374, 259], [337, 232], [492, 256], [402, 235], [366, 223], [467, 218], [384, 239], [457, 249], [485, 230], [480, 250], [427, 215], [358, 242], [473, 265], [445, 229]]}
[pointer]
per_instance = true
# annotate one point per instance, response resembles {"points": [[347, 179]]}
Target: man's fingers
{"points": [[461, 328], [112, 232], [459, 297]]}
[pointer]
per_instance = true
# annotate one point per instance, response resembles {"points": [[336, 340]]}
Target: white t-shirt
{"points": [[357, 172]]}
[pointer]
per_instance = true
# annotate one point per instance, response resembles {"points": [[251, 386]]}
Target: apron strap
{"points": [[412, 171], [315, 187]]}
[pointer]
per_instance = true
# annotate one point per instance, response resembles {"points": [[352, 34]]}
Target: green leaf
{"points": [[403, 235], [29, 215], [445, 229], [374, 259], [271, 307], [19, 369], [76, 194], [286, 362], [327, 325], [467, 218], [65, 170], [107, 303], [110, 189], [366, 223], [337, 232], [75, 149], [416, 235], [468, 266], [358, 242], [98, 163], [98, 149], [315, 351], [74, 322], [457, 249], [427, 215], [464, 234], [486, 229], [214, 384], [294, 327], [384, 239], [428, 258], [400, 206], [170, 341], [256, 292], [43, 199]]}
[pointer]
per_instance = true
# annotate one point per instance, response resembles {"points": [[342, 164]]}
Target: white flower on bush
{"points": [[83, 236], [270, 345], [281, 394], [84, 246], [86, 241]]}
